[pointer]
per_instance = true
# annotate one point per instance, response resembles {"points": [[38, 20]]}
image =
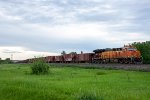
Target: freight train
{"points": [[126, 54]]}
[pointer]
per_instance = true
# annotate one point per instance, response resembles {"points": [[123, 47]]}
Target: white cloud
{"points": [[7, 17], [20, 53]]}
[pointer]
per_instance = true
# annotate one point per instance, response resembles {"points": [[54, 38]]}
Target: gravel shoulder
{"points": [[137, 67]]}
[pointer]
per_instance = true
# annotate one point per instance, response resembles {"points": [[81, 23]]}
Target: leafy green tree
{"points": [[144, 48], [6, 61], [63, 52], [73, 53]]}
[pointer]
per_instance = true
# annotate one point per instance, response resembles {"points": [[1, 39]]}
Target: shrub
{"points": [[39, 66]]}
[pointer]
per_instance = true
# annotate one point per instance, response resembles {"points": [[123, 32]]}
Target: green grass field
{"points": [[71, 83]]}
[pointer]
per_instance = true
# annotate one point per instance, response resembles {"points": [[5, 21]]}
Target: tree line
{"points": [[6, 61], [64, 52], [144, 48]]}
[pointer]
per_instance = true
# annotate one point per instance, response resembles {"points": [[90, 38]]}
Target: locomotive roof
{"points": [[107, 49]]}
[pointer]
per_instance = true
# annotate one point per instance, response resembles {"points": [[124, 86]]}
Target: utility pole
{"points": [[11, 56]]}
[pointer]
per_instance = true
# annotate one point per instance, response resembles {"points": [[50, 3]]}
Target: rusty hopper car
{"points": [[84, 58], [50, 59], [69, 58], [126, 54], [58, 59]]}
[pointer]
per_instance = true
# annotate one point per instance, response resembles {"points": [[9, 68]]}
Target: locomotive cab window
{"points": [[132, 49]]}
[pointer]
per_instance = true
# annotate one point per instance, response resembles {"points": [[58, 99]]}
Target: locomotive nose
{"points": [[137, 53], [134, 53]]}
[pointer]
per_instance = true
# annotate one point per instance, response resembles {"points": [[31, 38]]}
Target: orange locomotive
{"points": [[126, 54]]}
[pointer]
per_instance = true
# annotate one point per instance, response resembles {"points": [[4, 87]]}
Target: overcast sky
{"points": [[46, 27]]}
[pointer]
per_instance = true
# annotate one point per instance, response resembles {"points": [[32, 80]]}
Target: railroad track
{"points": [[137, 67]]}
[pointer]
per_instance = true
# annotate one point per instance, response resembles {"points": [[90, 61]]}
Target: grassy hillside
{"points": [[67, 83]]}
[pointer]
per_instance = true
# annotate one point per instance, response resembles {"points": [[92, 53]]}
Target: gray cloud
{"points": [[56, 25]]}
